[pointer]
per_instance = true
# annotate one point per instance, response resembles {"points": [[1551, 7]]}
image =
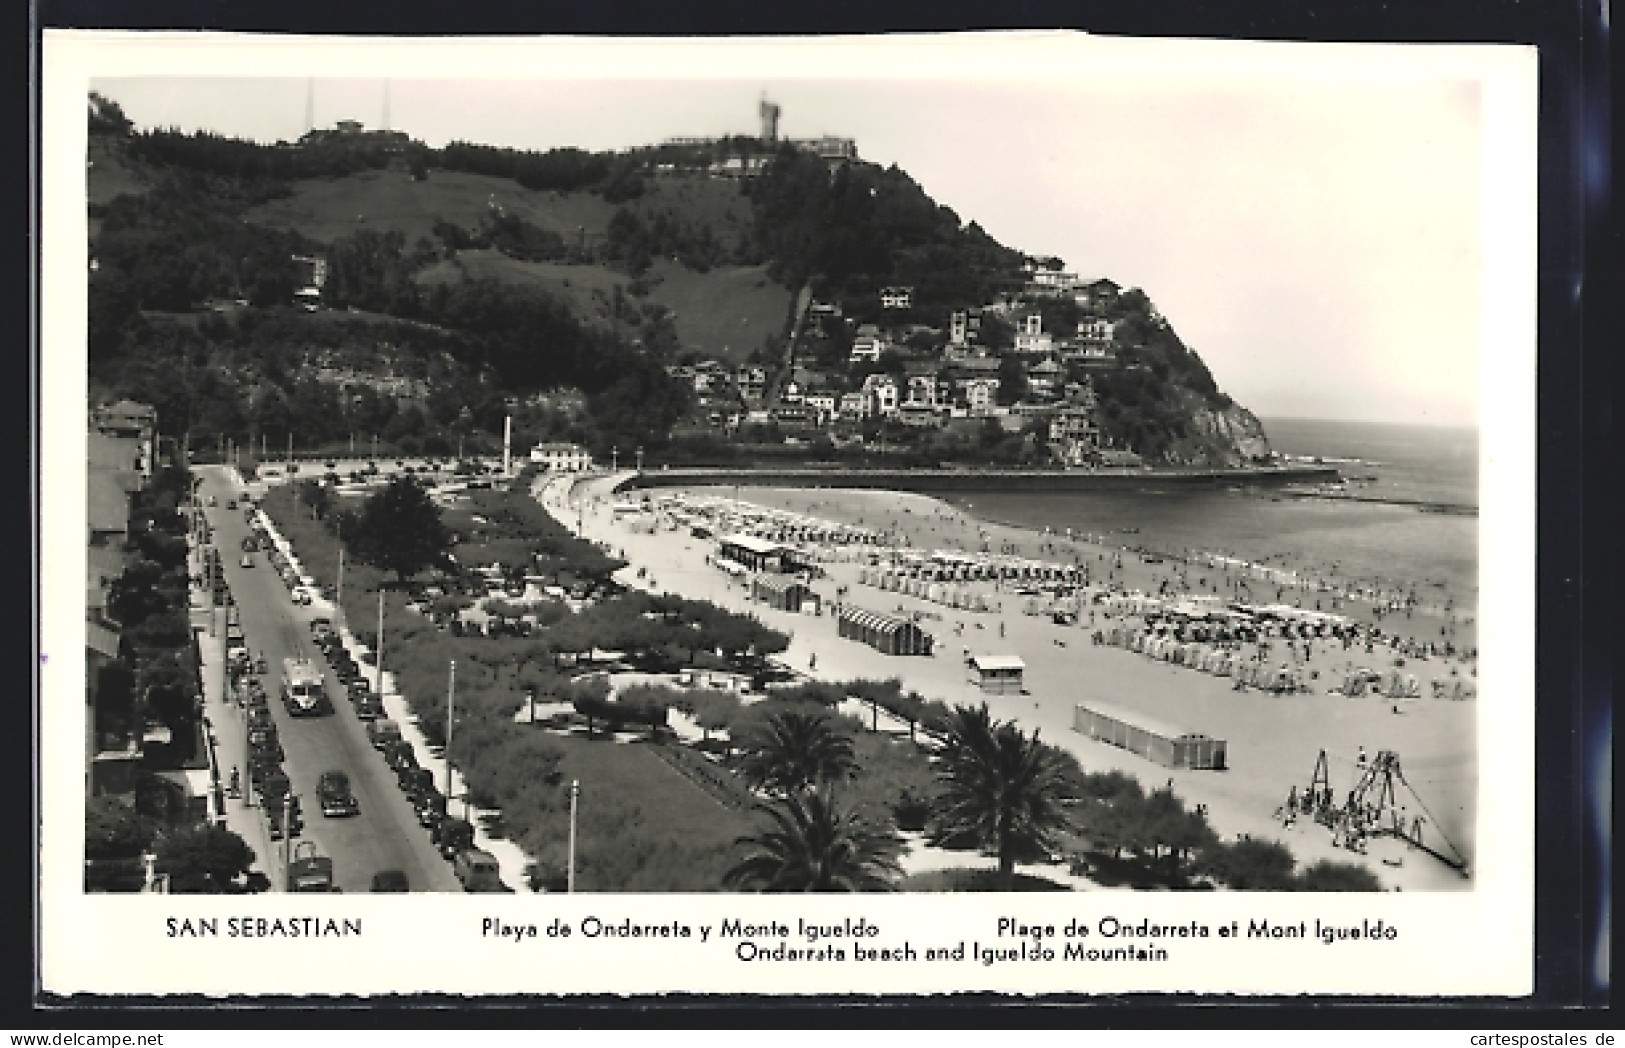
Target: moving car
{"points": [[390, 881], [247, 560], [333, 788]]}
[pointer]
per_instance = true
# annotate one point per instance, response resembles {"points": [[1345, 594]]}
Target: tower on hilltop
{"points": [[770, 120]]}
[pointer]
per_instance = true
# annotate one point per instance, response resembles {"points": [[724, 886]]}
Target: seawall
{"points": [[934, 481]]}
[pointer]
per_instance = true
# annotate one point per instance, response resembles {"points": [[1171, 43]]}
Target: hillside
{"points": [[725, 312], [588, 286]]}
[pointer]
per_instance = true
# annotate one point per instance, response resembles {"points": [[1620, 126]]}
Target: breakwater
{"points": [[937, 481]]}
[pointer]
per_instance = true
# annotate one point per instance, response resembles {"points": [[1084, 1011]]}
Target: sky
{"points": [[1313, 228]]}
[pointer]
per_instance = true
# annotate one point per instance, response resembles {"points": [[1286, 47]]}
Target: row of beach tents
{"points": [[938, 593], [1205, 658]]}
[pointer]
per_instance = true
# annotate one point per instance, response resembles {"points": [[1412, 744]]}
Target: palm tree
{"points": [[798, 751], [1000, 787], [810, 845]]}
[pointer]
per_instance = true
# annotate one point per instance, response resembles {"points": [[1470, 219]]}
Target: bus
{"points": [[302, 690]]}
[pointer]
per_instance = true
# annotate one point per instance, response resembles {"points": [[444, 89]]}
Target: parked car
{"points": [[453, 836], [247, 560], [383, 731], [478, 871], [369, 707]]}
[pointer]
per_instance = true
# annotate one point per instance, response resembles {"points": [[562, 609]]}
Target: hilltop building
{"points": [[561, 458]]}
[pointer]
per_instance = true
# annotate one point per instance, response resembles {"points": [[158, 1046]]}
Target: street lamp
{"points": [[570, 873]]}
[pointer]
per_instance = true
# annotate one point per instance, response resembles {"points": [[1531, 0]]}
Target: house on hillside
{"points": [[1095, 331], [868, 345], [921, 389], [896, 298], [1073, 436], [1096, 294], [964, 326], [751, 381], [1045, 379], [852, 405], [880, 395], [1030, 334], [1050, 283], [312, 278], [981, 394]]}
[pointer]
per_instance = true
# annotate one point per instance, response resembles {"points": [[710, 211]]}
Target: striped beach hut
{"points": [[784, 592], [1163, 744], [886, 634]]}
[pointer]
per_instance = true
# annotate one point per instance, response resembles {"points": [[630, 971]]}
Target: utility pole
{"points": [[451, 700], [338, 597], [570, 874], [290, 446], [614, 459], [640, 459]]}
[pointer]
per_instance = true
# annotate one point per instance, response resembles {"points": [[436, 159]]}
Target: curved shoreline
{"points": [[952, 480]]}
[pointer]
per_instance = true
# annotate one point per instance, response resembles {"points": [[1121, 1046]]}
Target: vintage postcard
{"points": [[773, 516]]}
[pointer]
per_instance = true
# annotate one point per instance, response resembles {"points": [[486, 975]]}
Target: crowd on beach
{"points": [[1205, 611]]}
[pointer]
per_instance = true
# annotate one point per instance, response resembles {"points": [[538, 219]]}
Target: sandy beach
{"points": [[1273, 739]]}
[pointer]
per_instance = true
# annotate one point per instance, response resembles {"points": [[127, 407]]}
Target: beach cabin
{"points": [[886, 634], [754, 553], [1165, 745], [783, 592], [997, 674]]}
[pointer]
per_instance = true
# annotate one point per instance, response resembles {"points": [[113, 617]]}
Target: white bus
{"points": [[302, 691]]}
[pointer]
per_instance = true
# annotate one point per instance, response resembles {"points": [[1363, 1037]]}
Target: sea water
{"points": [[1395, 546]]}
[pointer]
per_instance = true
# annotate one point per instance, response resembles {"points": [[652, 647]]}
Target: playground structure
{"points": [[1373, 808]]}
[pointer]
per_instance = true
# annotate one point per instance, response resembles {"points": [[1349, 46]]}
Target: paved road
{"points": [[386, 834]]}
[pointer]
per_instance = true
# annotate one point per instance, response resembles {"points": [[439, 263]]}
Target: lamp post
{"points": [[570, 873], [451, 700], [287, 841]]}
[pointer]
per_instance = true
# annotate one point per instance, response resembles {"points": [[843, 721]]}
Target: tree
{"points": [[810, 845], [1249, 865], [114, 830], [203, 859], [1012, 379], [1328, 876], [316, 496], [798, 751], [1001, 787], [400, 530]]}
